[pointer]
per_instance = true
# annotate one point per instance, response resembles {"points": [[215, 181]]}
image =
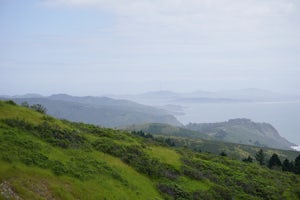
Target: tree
{"points": [[260, 157], [25, 104], [223, 153], [11, 102], [274, 161], [248, 160], [39, 108], [297, 165], [287, 166]]}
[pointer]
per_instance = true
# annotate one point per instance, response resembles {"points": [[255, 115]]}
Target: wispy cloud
{"points": [[193, 18]]}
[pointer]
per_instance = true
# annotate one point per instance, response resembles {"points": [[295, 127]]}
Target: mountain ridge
{"points": [[102, 111]]}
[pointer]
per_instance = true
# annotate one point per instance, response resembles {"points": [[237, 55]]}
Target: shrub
{"points": [[58, 168], [18, 123], [11, 102], [173, 190], [192, 173]]}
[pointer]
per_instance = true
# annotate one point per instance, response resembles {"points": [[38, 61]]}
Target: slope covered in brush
{"points": [[45, 158]]}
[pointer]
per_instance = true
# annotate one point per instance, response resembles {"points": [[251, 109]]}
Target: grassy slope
{"points": [[98, 163], [26, 179]]}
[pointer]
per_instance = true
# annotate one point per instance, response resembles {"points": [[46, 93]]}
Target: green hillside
{"points": [[243, 131], [45, 158]]}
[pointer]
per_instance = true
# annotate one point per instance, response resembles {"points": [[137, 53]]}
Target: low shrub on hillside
{"points": [[136, 157], [49, 132], [173, 190]]}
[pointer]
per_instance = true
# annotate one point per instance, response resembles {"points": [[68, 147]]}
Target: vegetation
{"points": [[45, 158], [260, 157], [274, 162], [249, 159], [243, 131]]}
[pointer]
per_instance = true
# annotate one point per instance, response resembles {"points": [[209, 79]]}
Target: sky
{"points": [[93, 47]]}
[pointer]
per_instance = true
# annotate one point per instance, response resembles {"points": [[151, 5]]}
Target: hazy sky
{"points": [[85, 47]]}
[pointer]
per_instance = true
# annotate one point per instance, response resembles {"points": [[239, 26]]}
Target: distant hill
{"points": [[243, 131], [102, 111], [224, 96], [224, 135]]}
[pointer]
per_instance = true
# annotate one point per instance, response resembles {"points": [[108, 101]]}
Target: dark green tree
{"points": [[248, 160], [11, 102], [287, 166], [260, 157], [274, 161], [223, 153], [297, 165]]}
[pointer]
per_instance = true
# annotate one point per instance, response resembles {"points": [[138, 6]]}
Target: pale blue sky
{"points": [[93, 47]]}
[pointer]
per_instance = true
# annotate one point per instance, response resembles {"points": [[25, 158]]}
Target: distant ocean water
{"points": [[284, 116]]}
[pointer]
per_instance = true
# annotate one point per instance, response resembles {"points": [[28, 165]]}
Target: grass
{"points": [[166, 155], [191, 185]]}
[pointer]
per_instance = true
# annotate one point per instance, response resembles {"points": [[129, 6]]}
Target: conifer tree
{"points": [[297, 165], [260, 157], [274, 161], [248, 160], [286, 165]]}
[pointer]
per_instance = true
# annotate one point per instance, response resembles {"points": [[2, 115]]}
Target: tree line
{"points": [[274, 162]]}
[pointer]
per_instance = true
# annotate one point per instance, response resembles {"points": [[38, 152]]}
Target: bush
{"points": [[58, 168], [11, 102], [173, 190], [51, 133], [137, 158], [18, 123], [59, 137], [192, 173]]}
